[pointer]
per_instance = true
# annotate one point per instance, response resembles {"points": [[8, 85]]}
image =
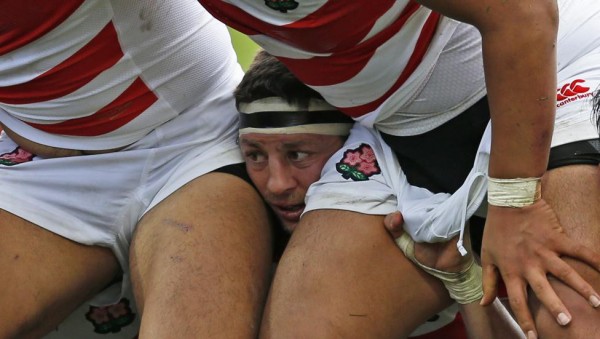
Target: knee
{"points": [[585, 321]]}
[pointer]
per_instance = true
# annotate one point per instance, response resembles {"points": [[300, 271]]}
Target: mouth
{"points": [[289, 212]]}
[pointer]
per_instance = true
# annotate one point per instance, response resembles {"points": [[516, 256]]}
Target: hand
{"points": [[441, 256], [460, 275], [393, 224], [525, 245]]}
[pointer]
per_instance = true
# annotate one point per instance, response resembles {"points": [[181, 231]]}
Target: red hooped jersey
{"points": [[347, 50], [89, 74]]}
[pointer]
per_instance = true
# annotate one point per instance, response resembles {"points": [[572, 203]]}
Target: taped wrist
{"points": [[464, 286], [515, 193]]}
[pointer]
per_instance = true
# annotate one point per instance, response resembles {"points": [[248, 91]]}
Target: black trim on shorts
{"points": [[239, 170], [586, 152]]}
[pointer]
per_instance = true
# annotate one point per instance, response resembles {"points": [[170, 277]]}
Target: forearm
{"points": [[520, 69]]}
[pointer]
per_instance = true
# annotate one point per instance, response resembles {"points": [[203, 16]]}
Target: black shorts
{"points": [[441, 159]]}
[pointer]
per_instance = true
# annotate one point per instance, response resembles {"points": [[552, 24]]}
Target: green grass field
{"points": [[244, 47]]}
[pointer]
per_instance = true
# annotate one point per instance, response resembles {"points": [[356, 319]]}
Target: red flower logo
{"points": [[18, 156], [358, 164]]}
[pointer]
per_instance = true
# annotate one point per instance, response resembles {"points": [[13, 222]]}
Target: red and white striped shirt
{"points": [[88, 74], [368, 58]]}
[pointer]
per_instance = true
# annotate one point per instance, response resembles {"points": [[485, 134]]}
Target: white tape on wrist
{"points": [[515, 193], [464, 287]]}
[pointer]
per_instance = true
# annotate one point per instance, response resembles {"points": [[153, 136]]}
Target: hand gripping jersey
{"points": [[89, 75]]}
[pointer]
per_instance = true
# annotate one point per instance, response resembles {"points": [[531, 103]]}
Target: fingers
{"points": [[564, 272], [545, 293], [393, 223], [518, 303], [490, 284]]}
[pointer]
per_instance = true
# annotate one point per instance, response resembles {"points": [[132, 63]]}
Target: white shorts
{"points": [[99, 199]]}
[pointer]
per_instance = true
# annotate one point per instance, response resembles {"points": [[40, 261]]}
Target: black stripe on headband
{"points": [[292, 118]]}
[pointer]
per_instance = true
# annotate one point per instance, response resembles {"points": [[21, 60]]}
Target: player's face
{"points": [[283, 166]]}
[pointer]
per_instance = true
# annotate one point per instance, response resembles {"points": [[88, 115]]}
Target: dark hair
{"points": [[268, 77], [596, 109]]}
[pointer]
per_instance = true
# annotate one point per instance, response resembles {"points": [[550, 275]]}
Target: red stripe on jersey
{"points": [[335, 26], [415, 59], [23, 21], [101, 53], [130, 104], [340, 67], [333, 22]]}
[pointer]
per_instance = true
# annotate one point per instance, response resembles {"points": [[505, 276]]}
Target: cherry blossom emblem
{"points": [[112, 318], [358, 164], [18, 156]]}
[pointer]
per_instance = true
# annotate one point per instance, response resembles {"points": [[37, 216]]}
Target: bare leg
{"points": [[45, 277], [342, 276], [574, 193], [201, 261]]}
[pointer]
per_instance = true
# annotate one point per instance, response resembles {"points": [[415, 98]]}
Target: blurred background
{"points": [[244, 47]]}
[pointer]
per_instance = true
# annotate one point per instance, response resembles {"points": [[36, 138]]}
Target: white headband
{"points": [[275, 115]]}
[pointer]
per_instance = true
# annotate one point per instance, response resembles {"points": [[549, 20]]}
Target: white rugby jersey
{"points": [[89, 74], [371, 59]]}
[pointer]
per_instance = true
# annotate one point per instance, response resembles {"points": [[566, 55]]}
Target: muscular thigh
{"points": [[201, 260], [574, 193], [343, 276], [45, 276]]}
